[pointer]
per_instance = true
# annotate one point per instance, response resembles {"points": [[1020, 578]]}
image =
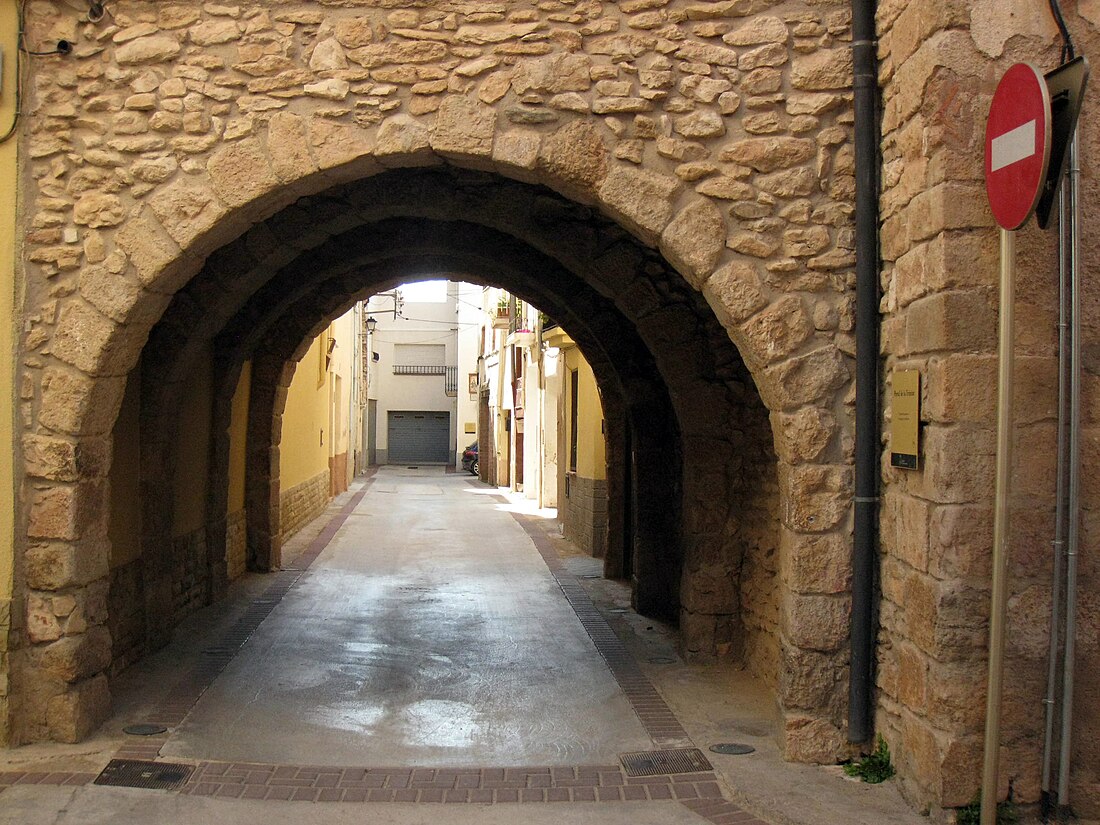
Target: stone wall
{"points": [[190, 573], [583, 513], [715, 132], [236, 544], [941, 63], [5, 665], [126, 616], [299, 505]]}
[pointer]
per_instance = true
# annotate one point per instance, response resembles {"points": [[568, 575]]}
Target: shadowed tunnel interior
{"points": [[691, 468]]}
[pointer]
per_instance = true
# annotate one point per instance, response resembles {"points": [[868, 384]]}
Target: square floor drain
{"points": [[136, 773], [659, 763]]}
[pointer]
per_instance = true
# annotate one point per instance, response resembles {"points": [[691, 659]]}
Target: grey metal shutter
{"points": [[419, 437]]}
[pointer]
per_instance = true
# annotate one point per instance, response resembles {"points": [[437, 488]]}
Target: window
{"points": [[574, 386]]}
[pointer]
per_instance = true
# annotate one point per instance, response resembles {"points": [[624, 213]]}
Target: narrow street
{"points": [[427, 643]]}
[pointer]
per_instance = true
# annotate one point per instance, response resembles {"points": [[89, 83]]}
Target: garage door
{"points": [[417, 437]]}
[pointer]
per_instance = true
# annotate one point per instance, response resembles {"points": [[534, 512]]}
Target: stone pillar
{"points": [[64, 646]]}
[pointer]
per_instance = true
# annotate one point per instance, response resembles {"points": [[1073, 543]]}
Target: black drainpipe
{"points": [[866, 127]]}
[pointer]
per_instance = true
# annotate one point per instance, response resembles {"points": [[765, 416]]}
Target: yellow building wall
{"points": [[305, 446], [10, 287], [238, 440], [193, 450], [591, 445], [343, 362]]}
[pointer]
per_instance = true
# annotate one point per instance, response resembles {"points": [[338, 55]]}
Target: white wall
{"points": [[419, 322], [470, 320]]}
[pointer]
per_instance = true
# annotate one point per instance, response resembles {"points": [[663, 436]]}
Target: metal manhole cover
{"points": [[733, 749], [136, 773], [657, 763], [144, 730]]}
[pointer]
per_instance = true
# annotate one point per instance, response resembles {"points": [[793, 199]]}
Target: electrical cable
{"points": [[1068, 52], [6, 136]]}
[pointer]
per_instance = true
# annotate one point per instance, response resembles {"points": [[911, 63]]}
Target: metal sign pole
{"points": [[1001, 514]]}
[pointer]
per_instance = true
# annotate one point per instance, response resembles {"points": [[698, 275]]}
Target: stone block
{"points": [[67, 512], [187, 210], [956, 696], [73, 403], [694, 240], [345, 152], [810, 681], [769, 154], [824, 70], [88, 340], [958, 321], [913, 673], [816, 497], [240, 173], [816, 622], [75, 658], [947, 620], [517, 150], [810, 740], [959, 465], [574, 161], [816, 563], [639, 199], [288, 147], [779, 330], [463, 128], [804, 435], [905, 521], [805, 379], [734, 292], [77, 712], [154, 254], [402, 141], [960, 541], [962, 388]]}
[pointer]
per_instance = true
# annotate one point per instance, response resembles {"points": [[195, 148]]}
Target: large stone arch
{"points": [[704, 154]]}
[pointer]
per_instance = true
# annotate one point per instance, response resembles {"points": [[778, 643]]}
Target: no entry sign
{"points": [[1017, 145]]}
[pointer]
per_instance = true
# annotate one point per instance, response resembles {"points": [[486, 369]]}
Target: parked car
{"points": [[469, 459]]}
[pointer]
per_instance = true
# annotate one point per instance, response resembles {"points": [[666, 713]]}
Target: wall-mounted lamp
{"points": [[372, 324]]}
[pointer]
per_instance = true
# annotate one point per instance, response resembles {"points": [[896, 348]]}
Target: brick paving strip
{"points": [[655, 715], [699, 792]]}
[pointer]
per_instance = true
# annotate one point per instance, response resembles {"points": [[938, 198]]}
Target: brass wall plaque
{"points": [[905, 420]]}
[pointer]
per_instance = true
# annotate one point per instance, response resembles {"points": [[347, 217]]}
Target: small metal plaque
{"points": [[137, 773], [733, 749], [905, 420], [659, 763]]}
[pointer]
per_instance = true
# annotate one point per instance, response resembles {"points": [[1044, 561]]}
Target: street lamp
{"points": [[372, 323]]}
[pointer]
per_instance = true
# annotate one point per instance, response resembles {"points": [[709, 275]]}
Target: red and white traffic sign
{"points": [[1017, 145]]}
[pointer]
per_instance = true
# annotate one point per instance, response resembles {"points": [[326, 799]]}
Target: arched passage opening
{"points": [[668, 373], [690, 462], [706, 532]]}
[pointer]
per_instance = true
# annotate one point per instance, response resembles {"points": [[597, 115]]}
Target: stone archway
{"points": [[758, 225]]}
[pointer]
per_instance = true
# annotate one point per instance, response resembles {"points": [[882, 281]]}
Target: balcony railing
{"points": [[450, 382], [419, 369]]}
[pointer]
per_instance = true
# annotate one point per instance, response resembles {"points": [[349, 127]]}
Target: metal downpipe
{"points": [[867, 446], [1068, 669], [1059, 541]]}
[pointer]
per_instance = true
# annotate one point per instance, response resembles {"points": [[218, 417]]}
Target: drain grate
{"points": [[657, 763], [136, 773]]}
